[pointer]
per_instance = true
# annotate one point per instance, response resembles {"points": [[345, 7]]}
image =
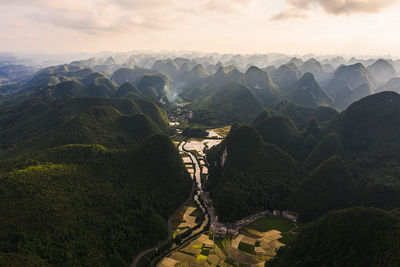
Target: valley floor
{"points": [[250, 248], [254, 242]]}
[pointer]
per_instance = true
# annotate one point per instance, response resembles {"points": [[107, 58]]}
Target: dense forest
{"points": [[249, 175], [77, 179], [350, 237], [350, 160], [85, 204]]}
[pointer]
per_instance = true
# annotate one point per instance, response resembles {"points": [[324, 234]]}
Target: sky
{"points": [[296, 27]]}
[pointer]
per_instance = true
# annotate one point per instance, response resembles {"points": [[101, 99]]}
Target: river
{"points": [[187, 148]]}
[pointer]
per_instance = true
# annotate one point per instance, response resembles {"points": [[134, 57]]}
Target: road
{"points": [[147, 251], [141, 255]]}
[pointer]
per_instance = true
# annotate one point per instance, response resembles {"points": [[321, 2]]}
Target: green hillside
{"points": [[366, 135], [78, 183], [32, 130], [307, 92], [70, 88], [168, 67], [328, 187], [198, 72], [53, 75], [155, 112], [369, 129], [127, 89], [279, 130], [261, 85], [232, 103], [101, 125], [152, 81], [123, 75], [263, 115], [250, 173], [286, 76], [301, 116], [87, 205], [350, 237], [329, 146], [99, 86]]}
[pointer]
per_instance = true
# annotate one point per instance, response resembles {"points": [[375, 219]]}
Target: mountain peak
{"points": [[109, 61], [312, 65], [307, 77], [308, 92], [382, 70]]}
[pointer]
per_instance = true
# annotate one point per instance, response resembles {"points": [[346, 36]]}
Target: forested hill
{"points": [[351, 237], [348, 162], [88, 181], [248, 175]]}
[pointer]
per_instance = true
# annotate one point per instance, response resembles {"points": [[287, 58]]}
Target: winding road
{"points": [[197, 176]]}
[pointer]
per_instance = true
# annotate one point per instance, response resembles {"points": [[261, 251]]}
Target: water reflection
{"points": [[200, 144]]}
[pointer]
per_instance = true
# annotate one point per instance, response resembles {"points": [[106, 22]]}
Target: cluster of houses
{"points": [[232, 229], [181, 114], [290, 215], [222, 230]]}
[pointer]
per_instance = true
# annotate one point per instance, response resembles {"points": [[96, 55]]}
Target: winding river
{"points": [[187, 148]]}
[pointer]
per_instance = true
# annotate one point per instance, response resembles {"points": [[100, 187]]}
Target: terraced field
{"points": [[254, 245], [187, 218]]}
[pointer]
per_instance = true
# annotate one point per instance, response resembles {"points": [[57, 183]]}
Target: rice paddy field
{"points": [[219, 132], [254, 245], [188, 217], [197, 145]]}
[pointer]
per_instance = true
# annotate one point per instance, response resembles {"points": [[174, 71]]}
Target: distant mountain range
{"points": [[311, 83], [270, 77]]}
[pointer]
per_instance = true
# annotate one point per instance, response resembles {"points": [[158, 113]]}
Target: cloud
{"points": [[354, 6], [114, 16], [96, 16], [290, 14], [225, 6], [96, 20], [300, 3], [335, 7]]}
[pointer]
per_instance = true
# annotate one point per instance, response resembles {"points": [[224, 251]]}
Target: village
{"points": [[251, 240], [181, 114], [223, 230]]}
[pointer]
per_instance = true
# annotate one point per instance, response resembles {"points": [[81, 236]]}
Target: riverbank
{"points": [[172, 243]]}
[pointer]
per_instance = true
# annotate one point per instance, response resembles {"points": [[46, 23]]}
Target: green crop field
{"points": [[272, 223], [287, 238], [246, 248], [205, 252], [221, 243], [230, 261]]}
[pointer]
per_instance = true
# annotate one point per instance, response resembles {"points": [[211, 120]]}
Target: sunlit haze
{"points": [[347, 27]]}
